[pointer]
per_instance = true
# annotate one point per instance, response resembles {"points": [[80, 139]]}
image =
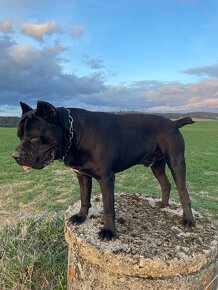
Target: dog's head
{"points": [[41, 136]]}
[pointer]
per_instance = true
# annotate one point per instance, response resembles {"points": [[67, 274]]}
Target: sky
{"points": [[142, 55]]}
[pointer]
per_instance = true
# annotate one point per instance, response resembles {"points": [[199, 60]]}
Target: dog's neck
{"points": [[67, 122]]}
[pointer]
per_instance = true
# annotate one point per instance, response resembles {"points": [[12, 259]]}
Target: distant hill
{"points": [[194, 115], [11, 122]]}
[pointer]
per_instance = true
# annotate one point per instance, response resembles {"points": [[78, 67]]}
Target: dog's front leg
{"points": [[107, 189], [85, 183]]}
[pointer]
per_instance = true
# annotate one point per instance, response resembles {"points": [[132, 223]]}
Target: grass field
{"points": [[32, 203]]}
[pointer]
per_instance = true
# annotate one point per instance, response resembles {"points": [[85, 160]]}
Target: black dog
{"points": [[99, 145]]}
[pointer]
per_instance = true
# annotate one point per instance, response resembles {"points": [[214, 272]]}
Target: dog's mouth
{"points": [[43, 164], [50, 160]]}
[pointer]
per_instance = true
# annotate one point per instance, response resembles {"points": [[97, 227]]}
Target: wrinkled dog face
{"points": [[40, 136]]}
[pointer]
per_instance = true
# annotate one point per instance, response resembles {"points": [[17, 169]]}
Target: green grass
{"points": [[33, 255], [42, 255]]}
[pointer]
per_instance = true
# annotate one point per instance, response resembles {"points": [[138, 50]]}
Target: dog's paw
{"points": [[188, 222], [107, 235], [77, 219], [162, 204]]}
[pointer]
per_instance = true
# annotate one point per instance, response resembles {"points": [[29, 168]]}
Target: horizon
{"points": [[138, 112], [149, 56]]}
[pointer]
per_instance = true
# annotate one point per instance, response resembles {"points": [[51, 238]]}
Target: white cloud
{"points": [[77, 31], [209, 70], [39, 30], [151, 96], [8, 110], [23, 54], [6, 26], [28, 74], [94, 64]]}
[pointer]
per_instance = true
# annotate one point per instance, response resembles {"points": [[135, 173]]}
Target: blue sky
{"points": [[151, 56]]}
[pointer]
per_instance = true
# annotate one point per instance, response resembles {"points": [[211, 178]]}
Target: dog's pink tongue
{"points": [[26, 168]]}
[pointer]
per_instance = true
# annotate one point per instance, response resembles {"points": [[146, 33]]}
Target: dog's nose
{"points": [[16, 155]]}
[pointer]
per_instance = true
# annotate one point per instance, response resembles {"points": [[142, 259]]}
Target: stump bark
{"points": [[153, 250]]}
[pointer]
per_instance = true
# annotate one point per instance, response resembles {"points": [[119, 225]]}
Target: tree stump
{"points": [[153, 250]]}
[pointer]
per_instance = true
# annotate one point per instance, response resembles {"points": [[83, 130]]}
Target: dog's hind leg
{"points": [[85, 183], [158, 169], [177, 165]]}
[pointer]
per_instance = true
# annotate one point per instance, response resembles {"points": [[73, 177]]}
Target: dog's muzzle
{"points": [[18, 155]]}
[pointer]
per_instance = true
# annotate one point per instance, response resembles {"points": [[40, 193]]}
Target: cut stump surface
{"points": [[152, 251]]}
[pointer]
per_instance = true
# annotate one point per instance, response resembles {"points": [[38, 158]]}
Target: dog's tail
{"points": [[183, 121]]}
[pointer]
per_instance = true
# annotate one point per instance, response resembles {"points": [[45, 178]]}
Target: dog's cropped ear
{"points": [[46, 111], [25, 108]]}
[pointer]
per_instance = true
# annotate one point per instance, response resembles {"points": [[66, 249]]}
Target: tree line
{"points": [[9, 122]]}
